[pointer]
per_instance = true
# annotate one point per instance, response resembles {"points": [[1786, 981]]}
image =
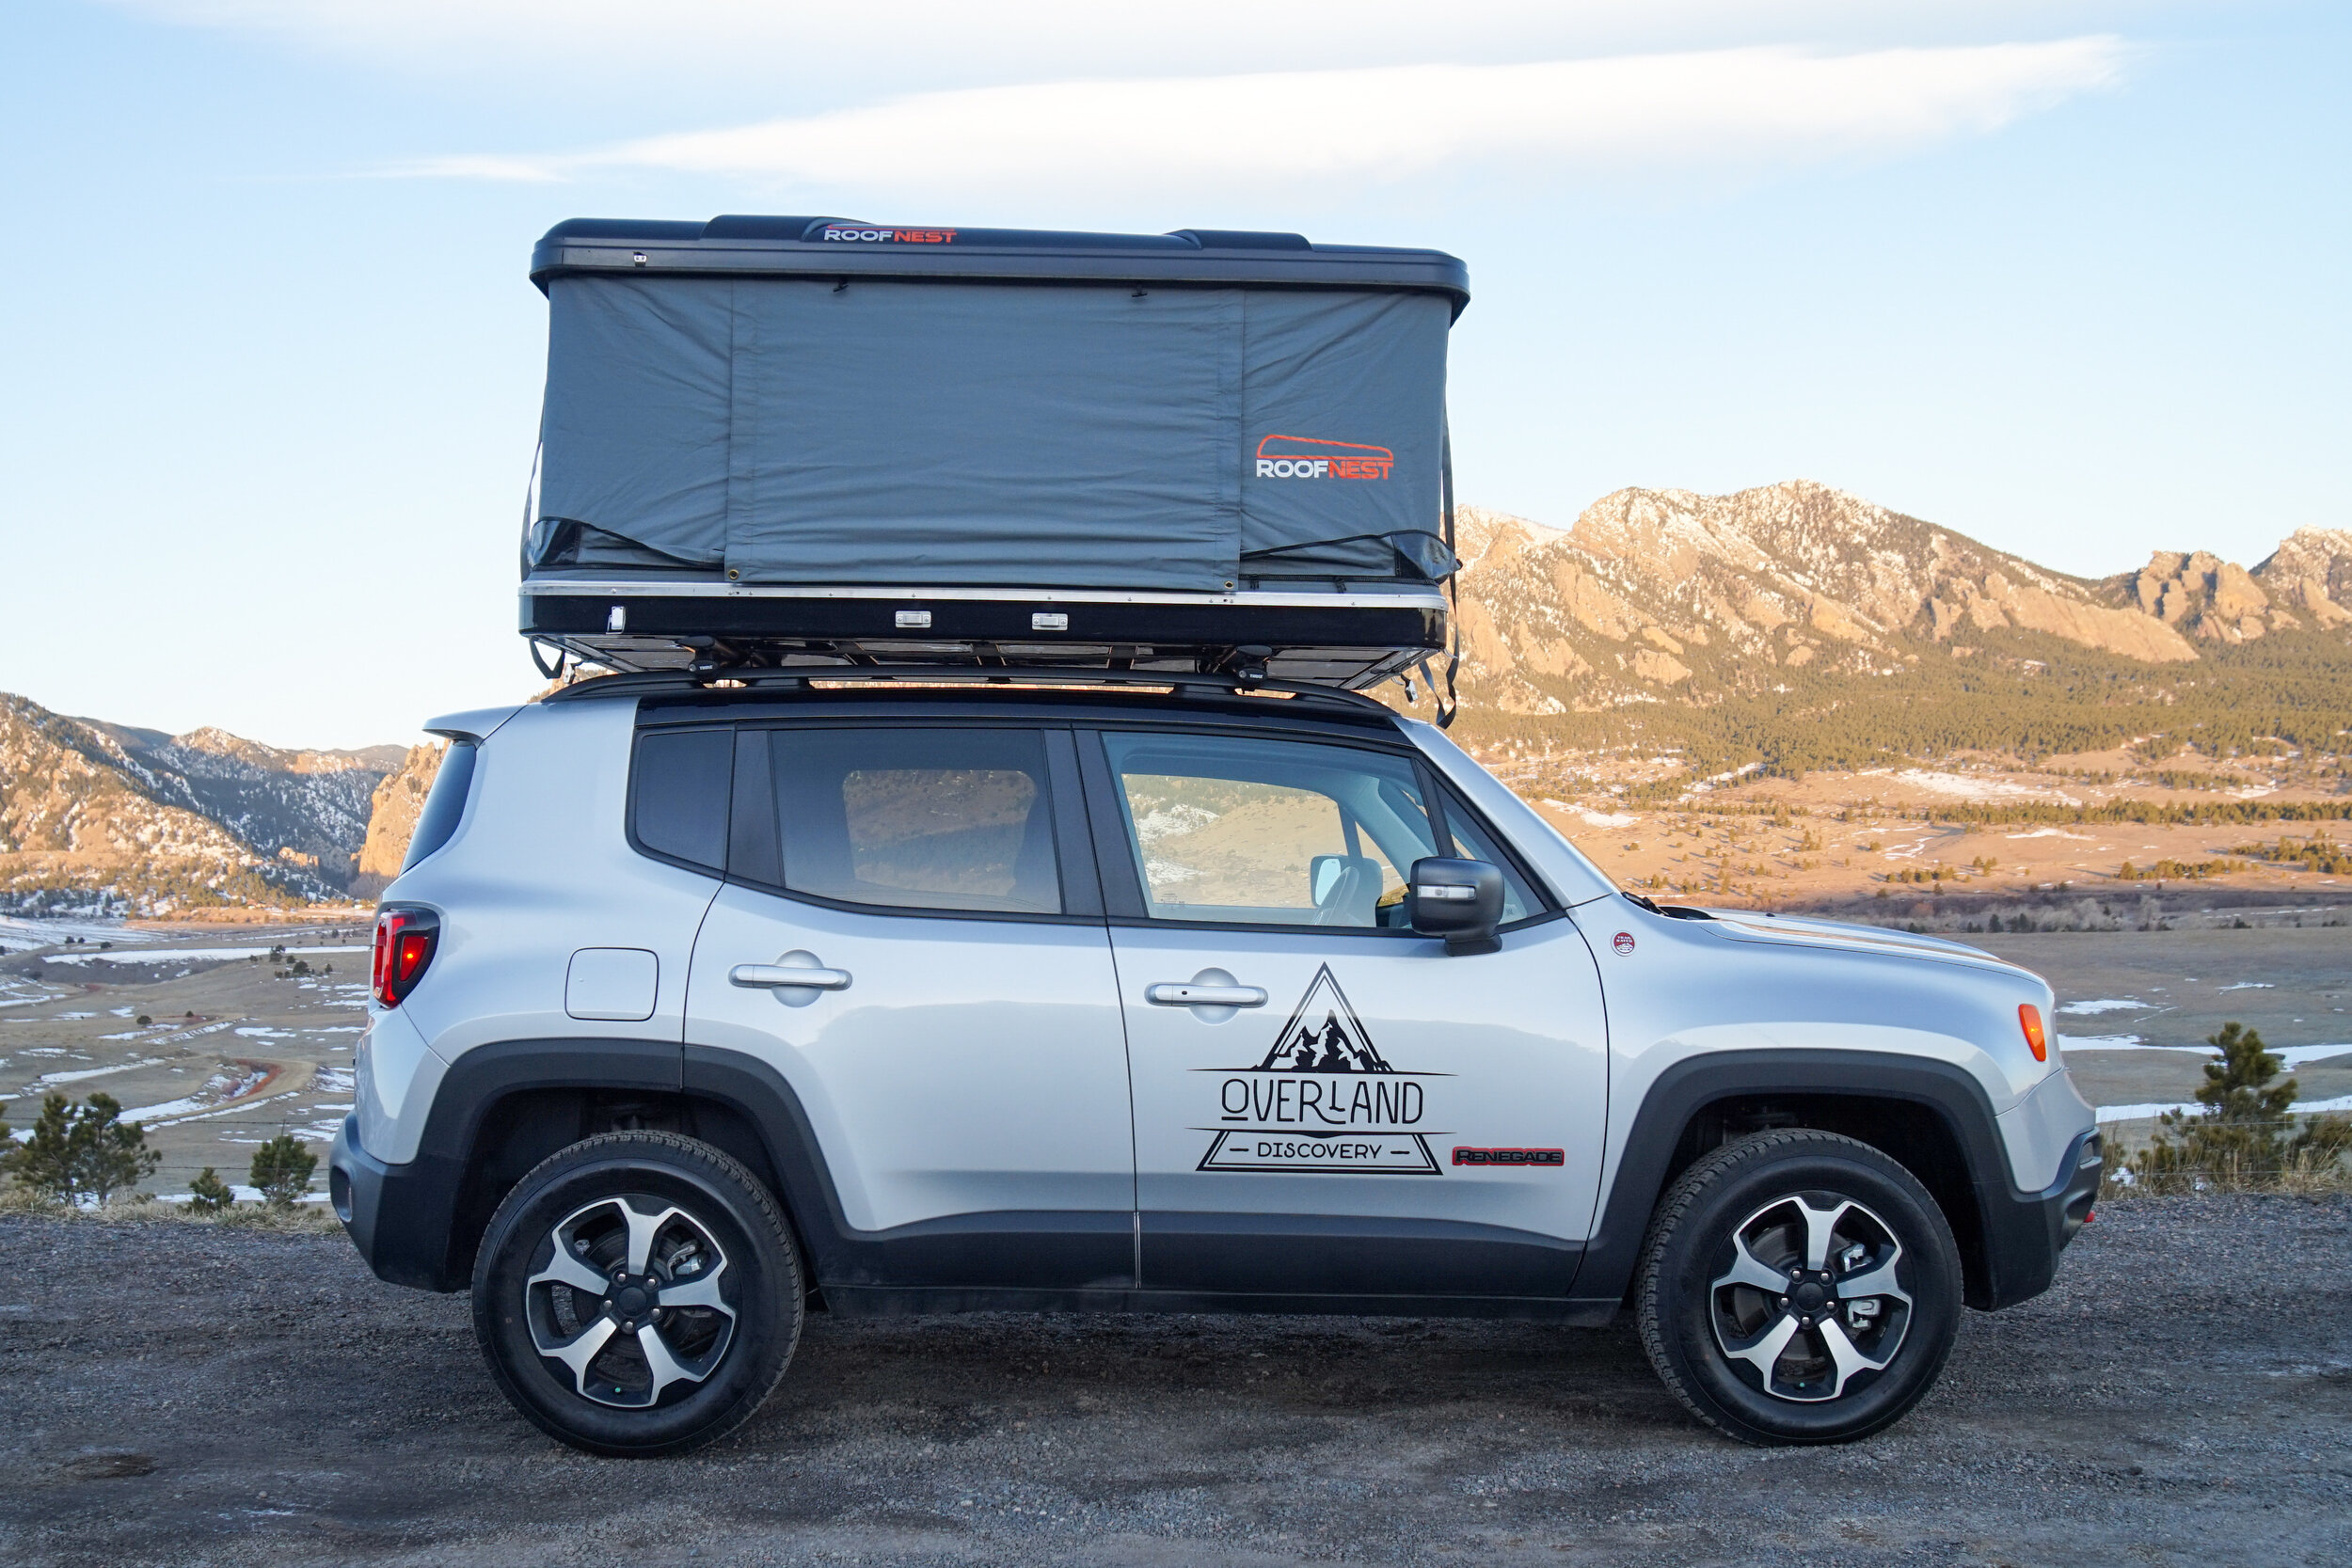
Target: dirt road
{"points": [[190, 1395]]}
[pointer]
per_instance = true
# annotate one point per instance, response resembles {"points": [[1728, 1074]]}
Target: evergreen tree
{"points": [[2243, 1136], [282, 1169], [81, 1151], [208, 1194]]}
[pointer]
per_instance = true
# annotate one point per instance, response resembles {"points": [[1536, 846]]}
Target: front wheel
{"points": [[637, 1294], [1798, 1287]]}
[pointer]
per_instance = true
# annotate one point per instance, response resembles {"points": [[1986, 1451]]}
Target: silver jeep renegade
{"points": [[701, 1005]]}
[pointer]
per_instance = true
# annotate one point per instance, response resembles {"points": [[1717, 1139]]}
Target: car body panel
{"points": [[538, 869], [971, 1066], [1487, 1051]]}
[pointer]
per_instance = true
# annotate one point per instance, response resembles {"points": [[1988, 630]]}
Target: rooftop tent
{"points": [[789, 405]]}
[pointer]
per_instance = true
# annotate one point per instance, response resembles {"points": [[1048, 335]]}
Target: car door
{"points": [[956, 1048], [1325, 1103]]}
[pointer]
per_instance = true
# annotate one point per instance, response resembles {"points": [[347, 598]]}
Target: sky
{"points": [[2069, 277]]}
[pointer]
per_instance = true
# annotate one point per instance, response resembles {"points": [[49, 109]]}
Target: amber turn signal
{"points": [[2030, 1019]]}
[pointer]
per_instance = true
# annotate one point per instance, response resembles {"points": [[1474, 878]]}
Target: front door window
{"points": [[1270, 832]]}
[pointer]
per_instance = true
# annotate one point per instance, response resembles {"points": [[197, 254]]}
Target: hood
{"points": [[1803, 931]]}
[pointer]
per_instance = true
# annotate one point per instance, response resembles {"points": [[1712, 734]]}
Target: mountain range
{"points": [[1799, 626], [1786, 627], [153, 822]]}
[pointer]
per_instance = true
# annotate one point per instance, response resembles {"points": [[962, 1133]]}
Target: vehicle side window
{"points": [[1472, 841], [1270, 831], [924, 819], [444, 804], [680, 795]]}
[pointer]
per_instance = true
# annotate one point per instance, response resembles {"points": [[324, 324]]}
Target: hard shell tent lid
{"points": [[820, 402]]}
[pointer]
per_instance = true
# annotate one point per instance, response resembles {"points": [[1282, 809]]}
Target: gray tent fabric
{"points": [[809, 431], [1357, 379], [641, 377]]}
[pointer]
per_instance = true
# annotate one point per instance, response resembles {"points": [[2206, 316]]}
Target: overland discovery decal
{"points": [[1324, 1100]]}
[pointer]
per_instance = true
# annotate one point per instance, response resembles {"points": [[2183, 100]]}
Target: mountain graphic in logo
{"points": [[1323, 1100], [1332, 1046]]}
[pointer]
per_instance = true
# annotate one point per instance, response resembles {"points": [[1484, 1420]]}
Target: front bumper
{"points": [[397, 1216], [2026, 1232]]}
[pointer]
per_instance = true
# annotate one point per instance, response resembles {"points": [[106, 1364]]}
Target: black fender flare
{"points": [[2012, 1252]]}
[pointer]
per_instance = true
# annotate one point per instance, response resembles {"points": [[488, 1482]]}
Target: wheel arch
{"points": [[1932, 1117], [503, 1108]]}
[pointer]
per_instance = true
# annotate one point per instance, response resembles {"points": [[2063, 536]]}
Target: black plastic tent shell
{"points": [[771, 437]]}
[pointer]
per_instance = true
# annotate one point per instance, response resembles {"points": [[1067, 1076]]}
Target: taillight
{"points": [[404, 939], [2030, 1019]]}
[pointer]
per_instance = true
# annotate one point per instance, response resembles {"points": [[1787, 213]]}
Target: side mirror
{"points": [[1458, 900]]}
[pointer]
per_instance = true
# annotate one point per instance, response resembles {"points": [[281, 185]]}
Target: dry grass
{"points": [[316, 1219]]}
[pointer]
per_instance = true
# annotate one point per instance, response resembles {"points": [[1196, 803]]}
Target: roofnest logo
{"points": [[1309, 457], [867, 234]]}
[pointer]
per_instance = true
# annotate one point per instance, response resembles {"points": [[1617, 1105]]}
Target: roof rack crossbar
{"points": [[1000, 678]]}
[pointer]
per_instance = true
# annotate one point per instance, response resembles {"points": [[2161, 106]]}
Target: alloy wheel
{"points": [[630, 1297], [1810, 1299]]}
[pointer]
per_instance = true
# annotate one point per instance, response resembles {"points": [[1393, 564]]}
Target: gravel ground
{"points": [[189, 1394]]}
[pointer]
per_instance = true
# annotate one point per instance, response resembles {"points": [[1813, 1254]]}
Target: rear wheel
{"points": [[637, 1294], [1798, 1287]]}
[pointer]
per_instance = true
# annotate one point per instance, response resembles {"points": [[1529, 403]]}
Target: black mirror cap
{"points": [[1458, 900]]}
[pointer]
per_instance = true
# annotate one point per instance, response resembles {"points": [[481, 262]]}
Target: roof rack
{"points": [[664, 683]]}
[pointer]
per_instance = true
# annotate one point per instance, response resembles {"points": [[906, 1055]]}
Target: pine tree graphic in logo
{"points": [[1323, 1098]]}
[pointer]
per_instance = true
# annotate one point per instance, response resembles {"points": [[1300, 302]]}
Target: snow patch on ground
{"points": [[2103, 1005], [2191, 1108], [1591, 818], [1965, 787], [2054, 833], [98, 1071], [190, 955], [15, 930]]}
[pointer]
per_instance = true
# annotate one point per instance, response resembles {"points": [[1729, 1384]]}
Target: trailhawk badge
{"points": [[1323, 1100]]}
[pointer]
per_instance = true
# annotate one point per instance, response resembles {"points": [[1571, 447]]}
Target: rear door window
{"points": [[952, 820]]}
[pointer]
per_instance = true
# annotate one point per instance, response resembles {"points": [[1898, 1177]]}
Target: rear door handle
{"points": [[782, 977], [1169, 993]]}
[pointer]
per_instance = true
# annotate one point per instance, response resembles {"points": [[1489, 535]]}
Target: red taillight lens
{"points": [[404, 946], [2030, 1019]]}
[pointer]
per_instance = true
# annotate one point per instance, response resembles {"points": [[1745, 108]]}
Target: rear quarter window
{"points": [[444, 804], [678, 796]]}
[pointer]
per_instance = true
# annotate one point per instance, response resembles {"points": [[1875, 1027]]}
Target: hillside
{"points": [[392, 818], [308, 807], [1797, 627], [94, 813]]}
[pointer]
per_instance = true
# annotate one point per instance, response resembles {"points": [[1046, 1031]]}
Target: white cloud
{"points": [[1738, 108], [832, 53]]}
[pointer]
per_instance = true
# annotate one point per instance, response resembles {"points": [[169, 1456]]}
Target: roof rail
{"points": [[664, 683]]}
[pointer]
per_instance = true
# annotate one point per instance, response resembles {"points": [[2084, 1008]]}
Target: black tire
{"points": [[688, 1201], [1717, 1339]]}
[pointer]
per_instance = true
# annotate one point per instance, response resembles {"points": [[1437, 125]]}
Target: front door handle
{"points": [[1171, 994], [783, 976]]}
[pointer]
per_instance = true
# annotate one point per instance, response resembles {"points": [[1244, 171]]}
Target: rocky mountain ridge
{"points": [[1668, 596], [398, 801], [92, 811]]}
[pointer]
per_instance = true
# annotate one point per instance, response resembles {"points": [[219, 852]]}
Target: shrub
{"points": [[208, 1194], [76, 1152], [145, 1021], [2244, 1137], [281, 1169]]}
